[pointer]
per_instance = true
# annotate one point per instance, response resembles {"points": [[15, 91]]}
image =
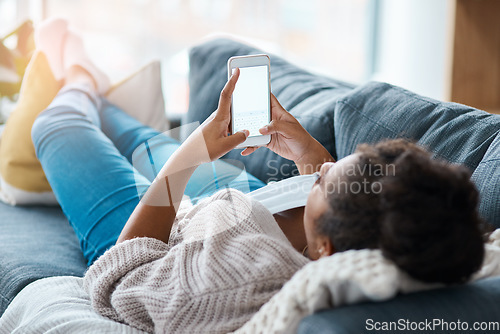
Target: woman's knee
{"points": [[41, 124], [56, 120]]}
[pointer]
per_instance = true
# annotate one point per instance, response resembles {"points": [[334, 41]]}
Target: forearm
{"points": [[154, 215]]}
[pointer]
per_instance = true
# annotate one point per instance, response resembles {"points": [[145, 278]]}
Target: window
{"points": [[330, 37], [404, 42]]}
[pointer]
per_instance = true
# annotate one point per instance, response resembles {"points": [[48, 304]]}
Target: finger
{"points": [[225, 95], [230, 142], [248, 151]]}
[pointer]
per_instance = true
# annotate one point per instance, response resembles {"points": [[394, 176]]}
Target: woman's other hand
{"points": [[291, 141]]}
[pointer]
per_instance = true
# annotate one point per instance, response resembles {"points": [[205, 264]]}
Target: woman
{"points": [[210, 267]]}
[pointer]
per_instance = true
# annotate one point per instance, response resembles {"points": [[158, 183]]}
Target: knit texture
{"points": [[225, 258], [347, 278], [59, 304]]}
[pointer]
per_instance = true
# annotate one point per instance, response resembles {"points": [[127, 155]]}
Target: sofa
{"points": [[38, 242]]}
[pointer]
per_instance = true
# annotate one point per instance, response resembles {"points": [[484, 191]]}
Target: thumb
{"points": [[234, 140]]}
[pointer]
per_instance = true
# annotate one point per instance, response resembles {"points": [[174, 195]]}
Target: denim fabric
{"points": [[473, 302], [35, 242], [310, 98], [90, 170]]}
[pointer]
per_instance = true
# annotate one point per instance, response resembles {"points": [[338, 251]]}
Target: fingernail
{"points": [[264, 129], [247, 133]]}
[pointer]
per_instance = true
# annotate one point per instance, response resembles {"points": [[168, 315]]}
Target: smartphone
{"points": [[251, 100]]}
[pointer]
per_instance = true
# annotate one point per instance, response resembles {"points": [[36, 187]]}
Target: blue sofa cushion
{"points": [[487, 179], [376, 111], [476, 302], [340, 117], [310, 98], [368, 114], [35, 242], [452, 131]]}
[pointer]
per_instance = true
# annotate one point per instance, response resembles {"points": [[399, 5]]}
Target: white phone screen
{"points": [[251, 100]]}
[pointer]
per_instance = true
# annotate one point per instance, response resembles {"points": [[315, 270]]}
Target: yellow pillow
{"points": [[22, 180]]}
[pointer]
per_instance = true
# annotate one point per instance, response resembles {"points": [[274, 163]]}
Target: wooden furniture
{"points": [[475, 63]]}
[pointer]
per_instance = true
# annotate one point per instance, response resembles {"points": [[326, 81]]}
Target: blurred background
{"points": [[411, 43]]}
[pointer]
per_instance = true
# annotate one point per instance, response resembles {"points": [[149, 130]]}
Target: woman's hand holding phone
{"points": [[154, 215], [216, 127], [291, 141], [212, 140]]}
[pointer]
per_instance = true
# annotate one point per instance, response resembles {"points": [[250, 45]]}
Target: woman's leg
{"points": [[95, 185], [148, 150]]}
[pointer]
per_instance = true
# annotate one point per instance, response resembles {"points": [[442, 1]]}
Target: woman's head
{"points": [[421, 213]]}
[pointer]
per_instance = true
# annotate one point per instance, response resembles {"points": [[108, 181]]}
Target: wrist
{"points": [[313, 158]]}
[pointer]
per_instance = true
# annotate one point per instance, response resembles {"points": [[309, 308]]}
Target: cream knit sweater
{"points": [[138, 283], [346, 278], [226, 257]]}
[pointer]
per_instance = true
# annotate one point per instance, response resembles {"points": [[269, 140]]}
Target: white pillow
{"points": [[141, 96]]}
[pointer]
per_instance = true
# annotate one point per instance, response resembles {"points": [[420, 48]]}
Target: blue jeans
{"points": [[99, 160]]}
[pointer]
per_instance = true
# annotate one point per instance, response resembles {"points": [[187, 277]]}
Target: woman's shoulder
{"points": [[235, 261], [241, 231]]}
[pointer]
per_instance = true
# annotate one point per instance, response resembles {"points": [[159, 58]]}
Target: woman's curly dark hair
{"points": [[422, 215]]}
